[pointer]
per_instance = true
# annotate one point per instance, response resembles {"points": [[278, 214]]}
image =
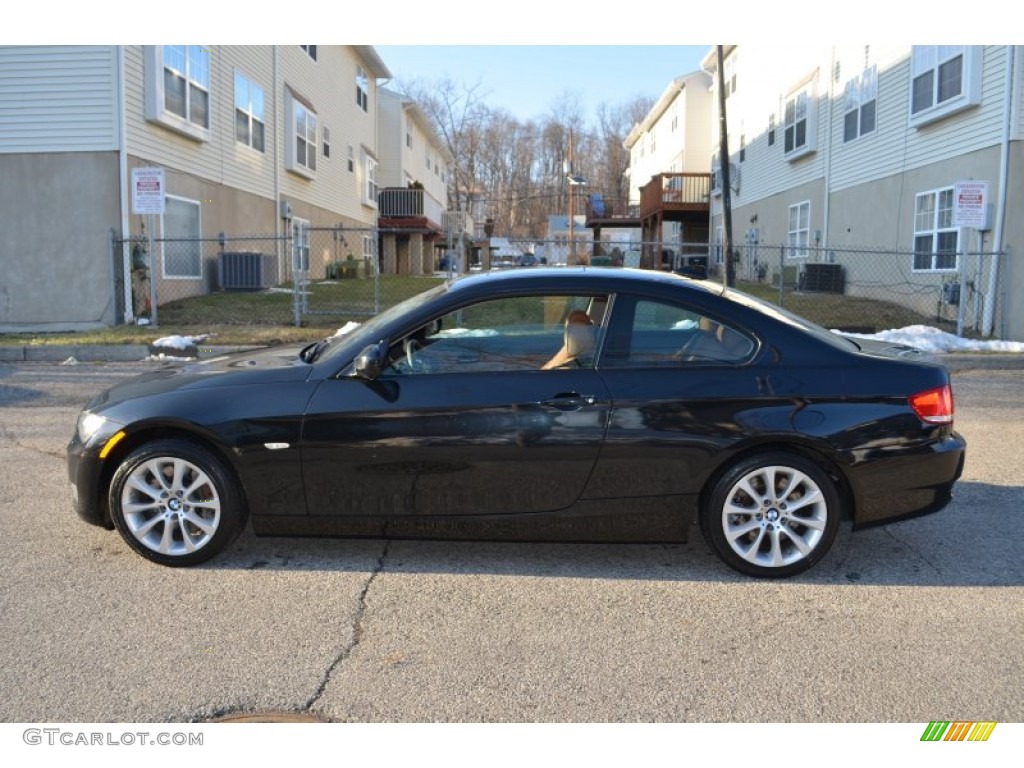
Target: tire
{"points": [[772, 515], [175, 503]]}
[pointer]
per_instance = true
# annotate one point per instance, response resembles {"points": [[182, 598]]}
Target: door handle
{"points": [[569, 401]]}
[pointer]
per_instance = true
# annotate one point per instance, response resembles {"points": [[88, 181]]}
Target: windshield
{"points": [[369, 332]]}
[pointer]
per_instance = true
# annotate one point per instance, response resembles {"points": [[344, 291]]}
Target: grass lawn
{"points": [[267, 317]]}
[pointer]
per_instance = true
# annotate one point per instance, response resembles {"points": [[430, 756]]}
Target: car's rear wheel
{"points": [[772, 515], [175, 503]]}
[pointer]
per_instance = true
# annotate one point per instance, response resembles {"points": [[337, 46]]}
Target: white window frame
{"points": [[370, 186], [927, 63], [860, 107], [198, 246], [798, 230], [310, 51], [933, 222], [800, 106], [300, 245], [362, 88], [196, 75], [304, 141], [250, 103], [325, 142]]}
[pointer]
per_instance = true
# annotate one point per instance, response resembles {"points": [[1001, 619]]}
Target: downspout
{"points": [[1004, 166], [828, 154], [277, 163], [122, 170]]}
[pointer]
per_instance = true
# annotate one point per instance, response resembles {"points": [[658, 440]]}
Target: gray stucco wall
{"points": [[57, 211]]}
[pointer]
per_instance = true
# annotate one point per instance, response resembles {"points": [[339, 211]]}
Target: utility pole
{"points": [[568, 177], [729, 271]]}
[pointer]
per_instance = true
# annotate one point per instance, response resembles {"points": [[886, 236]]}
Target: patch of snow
{"points": [[929, 339], [466, 332], [346, 328], [179, 342], [70, 361]]}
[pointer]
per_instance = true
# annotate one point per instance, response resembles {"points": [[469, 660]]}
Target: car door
{"points": [[463, 419], [681, 391]]}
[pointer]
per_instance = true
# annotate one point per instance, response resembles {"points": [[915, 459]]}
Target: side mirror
{"points": [[370, 361]]}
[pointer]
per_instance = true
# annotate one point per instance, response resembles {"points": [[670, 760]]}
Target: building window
{"points": [[351, 159], [860, 104], [408, 140], [309, 49], [362, 88], [302, 137], [370, 169], [743, 147], [178, 88], [300, 245], [249, 122], [729, 81], [799, 134], [799, 236], [180, 246], [936, 240], [368, 245], [325, 144], [945, 80]]}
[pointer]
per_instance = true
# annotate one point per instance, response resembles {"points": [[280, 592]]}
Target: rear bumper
{"points": [[910, 484]]}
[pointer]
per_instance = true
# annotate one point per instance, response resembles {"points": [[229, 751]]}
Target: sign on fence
{"points": [[970, 204]]}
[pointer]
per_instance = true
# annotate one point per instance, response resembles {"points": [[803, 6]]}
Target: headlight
{"points": [[88, 425]]}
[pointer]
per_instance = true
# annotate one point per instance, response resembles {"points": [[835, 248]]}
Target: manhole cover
{"points": [[269, 717]]}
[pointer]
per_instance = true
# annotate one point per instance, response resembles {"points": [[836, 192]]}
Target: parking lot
{"points": [[912, 622]]}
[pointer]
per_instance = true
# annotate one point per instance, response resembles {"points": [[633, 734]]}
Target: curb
{"points": [[105, 353]]}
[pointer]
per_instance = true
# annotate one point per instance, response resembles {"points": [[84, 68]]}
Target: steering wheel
{"points": [[411, 347], [684, 352]]}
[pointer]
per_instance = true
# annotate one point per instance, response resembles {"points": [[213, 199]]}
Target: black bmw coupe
{"points": [[551, 404]]}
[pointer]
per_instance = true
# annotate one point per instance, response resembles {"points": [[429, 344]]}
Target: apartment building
{"points": [[855, 155], [670, 153], [412, 173], [252, 140]]}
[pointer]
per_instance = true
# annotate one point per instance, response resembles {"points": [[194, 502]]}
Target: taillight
{"points": [[934, 406]]}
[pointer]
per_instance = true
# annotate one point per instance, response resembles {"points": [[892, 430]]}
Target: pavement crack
{"points": [[357, 632]]}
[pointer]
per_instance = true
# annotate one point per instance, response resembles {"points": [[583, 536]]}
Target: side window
{"points": [[658, 334], [522, 333]]}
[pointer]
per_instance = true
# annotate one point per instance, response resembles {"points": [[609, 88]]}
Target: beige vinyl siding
{"points": [[898, 146], [1017, 117], [221, 159], [329, 85], [765, 77], [392, 150], [58, 99]]}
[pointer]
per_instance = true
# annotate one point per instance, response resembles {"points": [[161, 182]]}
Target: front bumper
{"points": [[84, 473]]}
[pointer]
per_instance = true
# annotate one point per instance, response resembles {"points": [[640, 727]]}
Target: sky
{"points": [[529, 81]]}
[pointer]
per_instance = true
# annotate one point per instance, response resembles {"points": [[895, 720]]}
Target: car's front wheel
{"points": [[772, 515], [175, 503]]}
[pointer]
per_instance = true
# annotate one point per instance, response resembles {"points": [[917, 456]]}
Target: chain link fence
{"points": [[325, 277]]}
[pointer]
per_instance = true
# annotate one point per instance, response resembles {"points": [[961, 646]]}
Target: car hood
{"points": [[261, 366]]}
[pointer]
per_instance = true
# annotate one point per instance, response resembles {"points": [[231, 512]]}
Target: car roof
{"points": [[603, 278]]}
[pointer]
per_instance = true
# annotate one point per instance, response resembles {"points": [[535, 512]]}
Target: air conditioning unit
{"points": [[241, 271], [823, 278]]}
